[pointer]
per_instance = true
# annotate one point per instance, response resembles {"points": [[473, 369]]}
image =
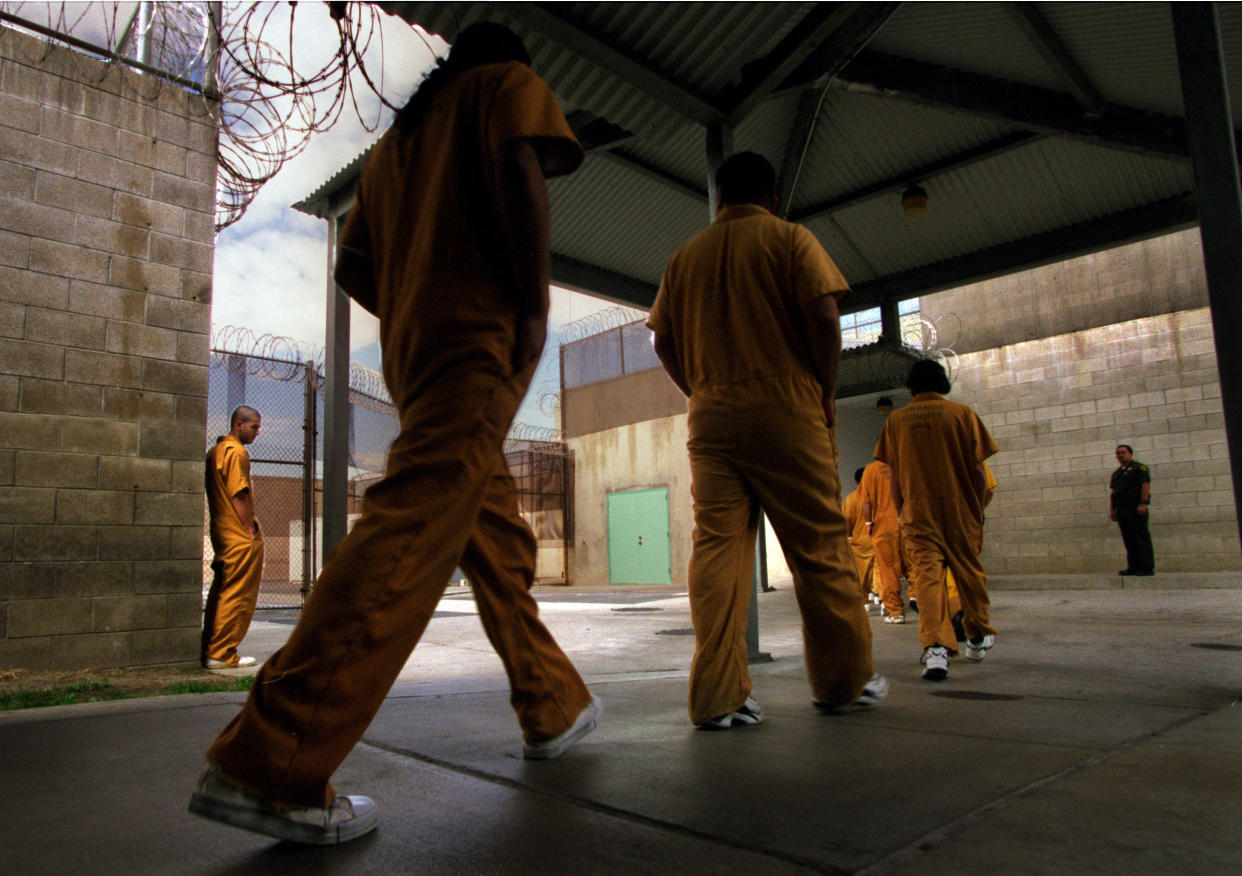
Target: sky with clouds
{"points": [[271, 266]]}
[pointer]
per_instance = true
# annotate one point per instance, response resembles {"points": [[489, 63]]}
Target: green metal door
{"points": [[638, 539]]}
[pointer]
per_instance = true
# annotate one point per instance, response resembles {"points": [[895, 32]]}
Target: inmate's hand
{"points": [[830, 410], [532, 333]]}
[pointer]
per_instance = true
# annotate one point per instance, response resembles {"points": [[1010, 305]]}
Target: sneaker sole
{"points": [[271, 824], [587, 721], [935, 674], [734, 720]]}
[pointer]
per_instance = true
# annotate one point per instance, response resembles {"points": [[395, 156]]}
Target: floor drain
{"points": [[688, 631], [638, 608], [1215, 646], [974, 695]]}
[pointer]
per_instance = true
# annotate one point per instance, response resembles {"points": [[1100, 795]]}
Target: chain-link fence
{"points": [[283, 380]]}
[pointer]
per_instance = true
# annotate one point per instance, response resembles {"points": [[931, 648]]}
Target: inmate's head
{"points": [[858, 475], [1125, 454], [928, 375], [486, 42], [244, 424], [747, 178]]}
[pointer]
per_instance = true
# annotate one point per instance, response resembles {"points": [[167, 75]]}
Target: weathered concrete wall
{"points": [[641, 455], [1161, 275], [106, 241], [631, 398]]}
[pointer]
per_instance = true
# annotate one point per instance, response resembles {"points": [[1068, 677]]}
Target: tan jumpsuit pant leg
{"points": [[939, 537], [786, 462], [443, 497], [237, 572], [864, 562], [888, 568]]}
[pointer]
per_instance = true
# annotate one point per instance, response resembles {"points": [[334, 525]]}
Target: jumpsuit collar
{"points": [[741, 211]]}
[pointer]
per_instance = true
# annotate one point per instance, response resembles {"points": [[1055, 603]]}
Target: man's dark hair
{"points": [[484, 42], [858, 475], [746, 178], [1126, 446], [242, 414], [928, 375]]}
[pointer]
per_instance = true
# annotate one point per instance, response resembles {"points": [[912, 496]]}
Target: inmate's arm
{"points": [[666, 349], [981, 485], [355, 274], [522, 202], [823, 327], [243, 504], [895, 489]]}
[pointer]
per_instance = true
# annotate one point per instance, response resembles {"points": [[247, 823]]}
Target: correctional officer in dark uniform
{"points": [[1131, 491]]}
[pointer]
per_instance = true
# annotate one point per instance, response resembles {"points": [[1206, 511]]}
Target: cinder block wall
{"points": [[107, 185], [1059, 406]]}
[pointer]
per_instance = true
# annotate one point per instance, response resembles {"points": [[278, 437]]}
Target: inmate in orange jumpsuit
{"points": [[426, 217], [860, 539], [877, 498], [237, 569], [759, 437], [934, 447]]}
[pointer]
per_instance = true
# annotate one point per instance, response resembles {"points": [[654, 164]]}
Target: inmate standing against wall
{"points": [[746, 324], [936, 449], [1128, 502], [237, 569], [881, 514], [448, 244]]}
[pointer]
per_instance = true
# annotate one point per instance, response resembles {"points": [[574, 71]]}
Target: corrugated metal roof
{"points": [[1004, 165]]}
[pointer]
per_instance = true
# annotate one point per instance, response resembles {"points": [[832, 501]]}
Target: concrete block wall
{"points": [[107, 189], [1058, 407]]}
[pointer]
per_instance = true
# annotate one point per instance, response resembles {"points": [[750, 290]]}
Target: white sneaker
{"points": [[242, 662], [895, 619], [747, 713], [935, 662], [347, 818], [873, 691], [587, 720], [976, 651]]}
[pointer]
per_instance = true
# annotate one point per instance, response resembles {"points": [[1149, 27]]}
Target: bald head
{"points": [[244, 424]]}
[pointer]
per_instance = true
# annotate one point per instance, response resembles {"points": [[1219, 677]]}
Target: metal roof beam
{"points": [[831, 33], [1058, 245], [1040, 34], [1016, 104], [636, 71], [601, 282], [983, 152], [651, 171]]}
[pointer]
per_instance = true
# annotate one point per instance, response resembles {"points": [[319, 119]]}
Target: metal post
{"points": [[336, 407], [211, 65], [308, 481], [890, 322], [144, 32], [719, 147], [1205, 91], [758, 580]]}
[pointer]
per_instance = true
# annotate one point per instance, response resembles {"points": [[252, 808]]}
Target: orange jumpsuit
{"points": [[877, 495], [237, 569], [860, 539], [730, 300], [426, 217], [935, 447], [955, 603]]}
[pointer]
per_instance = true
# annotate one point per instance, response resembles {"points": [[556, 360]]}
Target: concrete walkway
{"points": [[1102, 735]]}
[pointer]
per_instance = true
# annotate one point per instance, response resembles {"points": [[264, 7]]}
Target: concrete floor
{"points": [[1101, 735]]}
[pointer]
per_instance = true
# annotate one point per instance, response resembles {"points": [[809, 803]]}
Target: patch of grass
{"points": [[101, 690], [196, 687]]}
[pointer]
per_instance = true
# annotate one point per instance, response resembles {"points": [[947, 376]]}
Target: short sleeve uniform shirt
{"points": [[228, 474], [731, 299]]}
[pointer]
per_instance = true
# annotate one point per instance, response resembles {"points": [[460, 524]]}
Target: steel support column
{"points": [[719, 147], [1205, 91], [336, 406]]}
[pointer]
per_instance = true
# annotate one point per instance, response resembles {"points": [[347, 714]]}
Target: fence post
{"points": [[308, 481]]}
